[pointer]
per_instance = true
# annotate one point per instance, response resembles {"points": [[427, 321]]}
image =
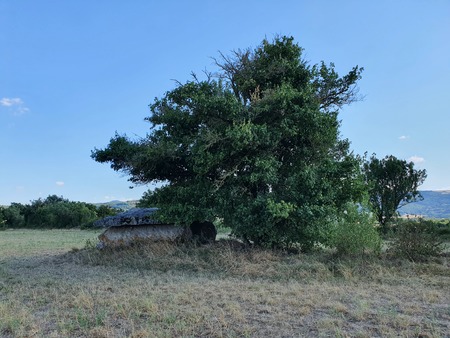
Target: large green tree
{"points": [[392, 183], [256, 145]]}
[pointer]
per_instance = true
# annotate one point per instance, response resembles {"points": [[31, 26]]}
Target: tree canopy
{"points": [[256, 145], [392, 183]]}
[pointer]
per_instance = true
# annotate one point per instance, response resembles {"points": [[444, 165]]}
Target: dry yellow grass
{"points": [[55, 290]]}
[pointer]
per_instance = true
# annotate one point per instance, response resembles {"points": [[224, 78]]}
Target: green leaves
{"points": [[52, 212], [257, 147], [280, 210], [392, 183], [354, 234]]}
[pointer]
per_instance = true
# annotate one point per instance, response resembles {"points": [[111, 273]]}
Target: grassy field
{"points": [[54, 283]]}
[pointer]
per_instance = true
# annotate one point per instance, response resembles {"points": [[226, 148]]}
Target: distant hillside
{"points": [[123, 205], [436, 204]]}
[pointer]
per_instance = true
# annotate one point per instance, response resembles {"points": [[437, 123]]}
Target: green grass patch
{"points": [[21, 243]]}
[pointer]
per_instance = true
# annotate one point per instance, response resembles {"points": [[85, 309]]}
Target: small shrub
{"points": [[417, 240], [355, 234], [444, 230]]}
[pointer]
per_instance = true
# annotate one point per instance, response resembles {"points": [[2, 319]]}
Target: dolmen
{"points": [[140, 224]]}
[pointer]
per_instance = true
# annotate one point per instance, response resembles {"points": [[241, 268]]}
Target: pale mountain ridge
{"points": [[436, 204], [122, 205]]}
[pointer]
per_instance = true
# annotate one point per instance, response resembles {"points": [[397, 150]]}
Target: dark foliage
{"points": [[392, 183], [257, 147], [52, 212], [417, 239]]}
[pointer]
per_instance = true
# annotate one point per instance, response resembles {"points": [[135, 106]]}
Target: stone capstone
{"points": [[135, 216]]}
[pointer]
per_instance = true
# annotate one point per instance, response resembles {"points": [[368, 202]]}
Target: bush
{"points": [[53, 212], [417, 240], [12, 216], [355, 234], [444, 230]]}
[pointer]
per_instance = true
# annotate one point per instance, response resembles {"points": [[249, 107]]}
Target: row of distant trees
{"points": [[52, 212]]}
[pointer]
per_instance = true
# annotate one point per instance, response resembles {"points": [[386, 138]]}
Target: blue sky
{"points": [[72, 73]]}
